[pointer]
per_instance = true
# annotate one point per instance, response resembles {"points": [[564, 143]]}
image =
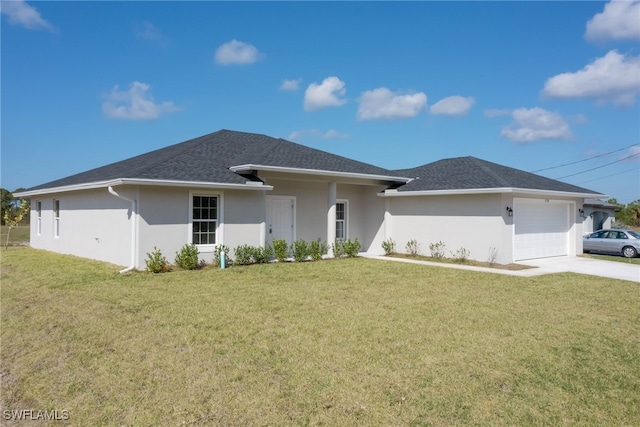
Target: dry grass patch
{"points": [[342, 342]]}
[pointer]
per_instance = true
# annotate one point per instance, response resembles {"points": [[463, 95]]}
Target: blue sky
{"points": [[531, 85]]}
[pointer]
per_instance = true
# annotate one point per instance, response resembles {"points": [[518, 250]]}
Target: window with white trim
{"points": [[56, 218], [341, 219], [38, 217], [204, 219]]}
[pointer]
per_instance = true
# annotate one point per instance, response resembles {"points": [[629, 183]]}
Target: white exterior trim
{"points": [[250, 185], [249, 167], [346, 216], [396, 193], [219, 221]]}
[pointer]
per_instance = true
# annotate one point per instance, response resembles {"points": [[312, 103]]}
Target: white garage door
{"points": [[541, 228]]}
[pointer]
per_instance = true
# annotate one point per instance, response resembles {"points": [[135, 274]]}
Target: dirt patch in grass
{"points": [[471, 262]]}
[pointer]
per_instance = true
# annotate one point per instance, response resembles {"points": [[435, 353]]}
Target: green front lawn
{"points": [[348, 342], [616, 258], [19, 235]]}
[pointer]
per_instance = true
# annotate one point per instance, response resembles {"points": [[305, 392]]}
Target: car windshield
{"points": [[634, 234]]}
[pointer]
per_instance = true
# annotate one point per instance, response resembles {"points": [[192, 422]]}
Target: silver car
{"points": [[624, 242]]}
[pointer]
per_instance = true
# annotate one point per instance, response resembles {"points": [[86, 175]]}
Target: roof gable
{"points": [[469, 173]]}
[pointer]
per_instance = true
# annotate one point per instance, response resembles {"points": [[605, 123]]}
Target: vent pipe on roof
{"points": [[132, 265]]}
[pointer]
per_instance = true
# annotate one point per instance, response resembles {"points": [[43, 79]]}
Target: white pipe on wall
{"points": [[133, 229]]}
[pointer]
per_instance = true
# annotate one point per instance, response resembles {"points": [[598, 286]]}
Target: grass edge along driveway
{"points": [[341, 342]]}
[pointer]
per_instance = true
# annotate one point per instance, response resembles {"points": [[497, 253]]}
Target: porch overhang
{"points": [[325, 175]]}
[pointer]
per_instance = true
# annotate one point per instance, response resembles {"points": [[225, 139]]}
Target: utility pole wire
{"points": [[583, 160], [613, 174], [592, 169]]}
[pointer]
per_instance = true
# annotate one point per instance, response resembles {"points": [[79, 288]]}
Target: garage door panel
{"points": [[541, 229]]}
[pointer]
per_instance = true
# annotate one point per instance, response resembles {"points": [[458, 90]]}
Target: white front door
{"points": [[280, 218]]}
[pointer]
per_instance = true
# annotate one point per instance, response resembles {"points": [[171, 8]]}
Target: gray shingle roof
{"points": [[208, 158], [472, 173]]}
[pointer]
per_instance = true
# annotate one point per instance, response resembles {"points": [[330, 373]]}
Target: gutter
{"points": [[512, 190], [134, 214]]}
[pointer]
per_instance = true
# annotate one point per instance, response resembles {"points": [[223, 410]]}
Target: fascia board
{"points": [[150, 182], [533, 192]]}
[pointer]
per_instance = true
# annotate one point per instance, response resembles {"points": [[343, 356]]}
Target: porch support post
{"points": [[331, 218], [263, 226], [388, 232]]}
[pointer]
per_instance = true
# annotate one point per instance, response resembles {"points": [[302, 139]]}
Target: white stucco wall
{"points": [[93, 224], [365, 209], [473, 222], [164, 219]]}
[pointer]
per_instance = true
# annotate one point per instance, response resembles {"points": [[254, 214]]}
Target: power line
{"points": [[613, 174], [599, 167], [583, 160]]}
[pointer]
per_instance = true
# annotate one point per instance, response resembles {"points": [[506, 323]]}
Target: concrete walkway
{"points": [[594, 267]]}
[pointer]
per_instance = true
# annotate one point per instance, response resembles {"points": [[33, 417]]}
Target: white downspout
{"points": [[133, 229]]}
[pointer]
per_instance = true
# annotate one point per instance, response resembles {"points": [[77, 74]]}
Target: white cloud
{"points": [[19, 12], [453, 106], [329, 93], [334, 134], [383, 104], [297, 135], [619, 20], [633, 155], [533, 124], [148, 31], [613, 78], [290, 85], [135, 104], [237, 52]]}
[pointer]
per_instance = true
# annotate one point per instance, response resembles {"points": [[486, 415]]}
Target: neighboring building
{"points": [[238, 188], [598, 215]]}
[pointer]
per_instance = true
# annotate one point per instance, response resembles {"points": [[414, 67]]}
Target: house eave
{"points": [[468, 191], [319, 172], [249, 185]]}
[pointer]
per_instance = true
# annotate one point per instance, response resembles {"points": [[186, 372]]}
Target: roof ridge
{"points": [[482, 164], [185, 148]]}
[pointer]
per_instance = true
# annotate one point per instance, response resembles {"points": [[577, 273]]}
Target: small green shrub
{"points": [[461, 255], [493, 256], [338, 248], [262, 255], [389, 247], [156, 262], [351, 248], [300, 250], [438, 250], [188, 257], [317, 249], [281, 250], [217, 254], [413, 247], [244, 255]]}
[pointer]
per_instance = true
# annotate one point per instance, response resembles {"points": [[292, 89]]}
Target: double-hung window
{"points": [[38, 217], [341, 219], [204, 217], [56, 218]]}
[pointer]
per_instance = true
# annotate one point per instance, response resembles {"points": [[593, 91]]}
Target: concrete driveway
{"points": [[594, 267]]}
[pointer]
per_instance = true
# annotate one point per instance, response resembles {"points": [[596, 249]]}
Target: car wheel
{"points": [[629, 252]]}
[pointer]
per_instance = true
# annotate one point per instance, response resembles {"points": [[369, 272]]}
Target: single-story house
{"points": [[236, 188], [598, 215]]}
